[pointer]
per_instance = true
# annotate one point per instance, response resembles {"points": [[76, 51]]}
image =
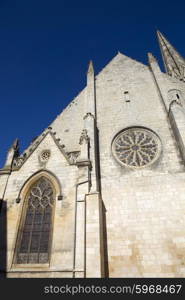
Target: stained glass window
{"points": [[35, 233]]}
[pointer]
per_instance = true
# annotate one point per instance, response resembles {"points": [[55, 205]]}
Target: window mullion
{"points": [[41, 232], [31, 233]]}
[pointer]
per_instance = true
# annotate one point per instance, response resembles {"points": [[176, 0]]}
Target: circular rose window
{"points": [[45, 155], [136, 147]]}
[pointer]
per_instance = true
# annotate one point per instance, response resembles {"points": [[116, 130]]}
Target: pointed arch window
{"points": [[34, 237]]}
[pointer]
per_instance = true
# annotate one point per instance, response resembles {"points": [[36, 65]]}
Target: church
{"points": [[101, 192]]}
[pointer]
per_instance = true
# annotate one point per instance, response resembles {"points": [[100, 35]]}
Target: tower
{"points": [[104, 195]]}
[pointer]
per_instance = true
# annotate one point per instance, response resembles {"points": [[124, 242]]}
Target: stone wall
{"points": [[144, 208]]}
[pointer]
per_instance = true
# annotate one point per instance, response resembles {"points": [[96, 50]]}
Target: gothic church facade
{"points": [[101, 192]]}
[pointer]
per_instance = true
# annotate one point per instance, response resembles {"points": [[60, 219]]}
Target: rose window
{"points": [[136, 147], [45, 155]]}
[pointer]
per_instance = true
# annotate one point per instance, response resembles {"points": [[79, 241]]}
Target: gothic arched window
{"points": [[34, 238]]}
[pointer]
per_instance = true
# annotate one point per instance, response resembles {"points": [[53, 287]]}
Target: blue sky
{"points": [[45, 47]]}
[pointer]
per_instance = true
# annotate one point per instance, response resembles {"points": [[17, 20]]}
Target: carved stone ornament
{"points": [[84, 137], [136, 147], [89, 114], [45, 155], [72, 156]]}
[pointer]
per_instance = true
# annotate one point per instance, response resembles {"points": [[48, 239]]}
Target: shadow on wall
{"points": [[106, 265], [3, 238], [104, 222]]}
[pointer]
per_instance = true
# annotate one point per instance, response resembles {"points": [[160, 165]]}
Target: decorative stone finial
{"points": [[90, 68], [88, 115], [15, 145], [13, 153], [151, 58]]}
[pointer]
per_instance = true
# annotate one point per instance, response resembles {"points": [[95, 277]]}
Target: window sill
{"points": [[30, 267]]}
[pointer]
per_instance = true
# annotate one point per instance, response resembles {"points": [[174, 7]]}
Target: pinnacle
{"points": [[15, 144], [90, 68], [151, 58]]}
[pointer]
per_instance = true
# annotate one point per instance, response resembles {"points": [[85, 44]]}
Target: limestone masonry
{"points": [[101, 192]]}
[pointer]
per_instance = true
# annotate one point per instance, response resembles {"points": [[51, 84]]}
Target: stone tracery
{"points": [[136, 147], [34, 236]]}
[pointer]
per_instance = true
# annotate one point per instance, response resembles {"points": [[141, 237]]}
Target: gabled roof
{"points": [[69, 123], [19, 161]]}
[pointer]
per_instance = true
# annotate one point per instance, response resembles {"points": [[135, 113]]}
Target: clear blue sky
{"points": [[45, 47]]}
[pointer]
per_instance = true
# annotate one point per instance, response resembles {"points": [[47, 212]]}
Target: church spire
{"points": [[173, 61]]}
